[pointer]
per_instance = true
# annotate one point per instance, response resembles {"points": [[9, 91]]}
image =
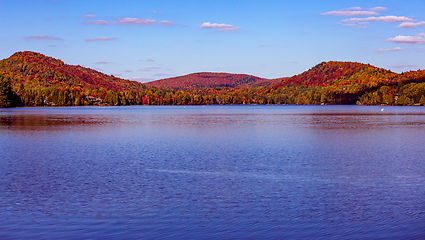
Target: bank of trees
{"points": [[32, 79], [7, 97]]}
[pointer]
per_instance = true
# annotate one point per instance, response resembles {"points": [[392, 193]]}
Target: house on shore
{"points": [[94, 100]]}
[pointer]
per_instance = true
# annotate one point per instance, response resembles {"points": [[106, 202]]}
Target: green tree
{"points": [[6, 93]]}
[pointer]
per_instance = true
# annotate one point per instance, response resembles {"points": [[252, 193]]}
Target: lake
{"points": [[212, 172]]}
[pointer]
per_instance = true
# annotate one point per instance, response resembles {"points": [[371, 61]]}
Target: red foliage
{"points": [[340, 74], [212, 80], [49, 72]]}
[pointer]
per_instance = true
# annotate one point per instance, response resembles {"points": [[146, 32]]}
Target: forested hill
{"points": [[40, 80], [39, 71], [337, 74], [348, 83], [212, 80], [33, 79]]}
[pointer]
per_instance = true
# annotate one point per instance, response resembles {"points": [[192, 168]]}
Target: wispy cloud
{"points": [[418, 39], [135, 21], [355, 11], [406, 22], [162, 75], [99, 39], [104, 62], [166, 23], [350, 13], [128, 70], [403, 66], [378, 9], [150, 60], [396, 49], [386, 19], [156, 12], [149, 69], [353, 8], [142, 79], [410, 25], [98, 22], [124, 21], [43, 38], [220, 26], [358, 25], [89, 16]]}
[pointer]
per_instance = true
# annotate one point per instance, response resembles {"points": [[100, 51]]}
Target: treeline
{"points": [[412, 93], [7, 96], [212, 80], [32, 79], [400, 95]]}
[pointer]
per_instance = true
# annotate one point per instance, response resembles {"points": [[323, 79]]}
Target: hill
{"points": [[41, 80], [33, 79], [336, 74], [212, 80], [37, 70], [346, 83]]}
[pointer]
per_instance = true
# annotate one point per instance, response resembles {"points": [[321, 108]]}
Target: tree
{"points": [[422, 100], [6, 93]]}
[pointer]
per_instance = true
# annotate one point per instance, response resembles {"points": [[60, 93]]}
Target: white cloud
{"points": [[396, 49], [89, 16], [353, 8], [410, 25], [98, 22], [418, 39], [166, 23], [42, 38], [378, 9], [350, 25], [124, 21], [99, 39], [386, 19], [148, 69], [355, 11], [137, 21], [220, 27], [142, 79], [350, 13]]}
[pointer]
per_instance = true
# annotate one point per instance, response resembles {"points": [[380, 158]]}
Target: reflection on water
{"points": [[212, 172]]}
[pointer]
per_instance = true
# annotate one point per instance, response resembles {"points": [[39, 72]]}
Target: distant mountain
{"points": [[212, 80]]}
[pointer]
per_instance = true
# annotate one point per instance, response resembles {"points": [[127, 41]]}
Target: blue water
{"points": [[212, 172]]}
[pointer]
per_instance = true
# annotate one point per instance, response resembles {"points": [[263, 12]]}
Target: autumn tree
{"points": [[6, 93]]}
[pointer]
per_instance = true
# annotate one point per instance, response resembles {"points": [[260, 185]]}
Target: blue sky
{"points": [[149, 40]]}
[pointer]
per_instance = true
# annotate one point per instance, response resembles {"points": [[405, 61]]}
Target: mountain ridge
{"points": [[211, 80], [39, 80]]}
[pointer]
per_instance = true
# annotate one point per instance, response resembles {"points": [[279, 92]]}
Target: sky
{"points": [[145, 40]]}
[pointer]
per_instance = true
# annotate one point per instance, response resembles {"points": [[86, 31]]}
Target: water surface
{"points": [[212, 172]]}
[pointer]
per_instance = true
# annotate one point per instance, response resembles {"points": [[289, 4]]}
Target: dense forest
{"points": [[33, 79], [212, 80]]}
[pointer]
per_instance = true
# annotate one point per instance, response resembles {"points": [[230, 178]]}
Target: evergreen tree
{"points": [[6, 93]]}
